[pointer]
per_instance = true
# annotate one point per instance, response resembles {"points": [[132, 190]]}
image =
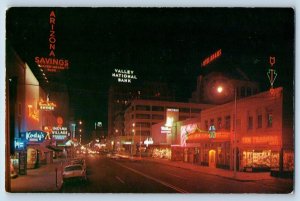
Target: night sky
{"points": [[159, 44]]}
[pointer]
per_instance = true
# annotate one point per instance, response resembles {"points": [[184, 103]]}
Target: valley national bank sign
{"points": [[125, 76]]}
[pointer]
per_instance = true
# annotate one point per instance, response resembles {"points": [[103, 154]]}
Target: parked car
{"points": [[78, 161], [74, 172]]}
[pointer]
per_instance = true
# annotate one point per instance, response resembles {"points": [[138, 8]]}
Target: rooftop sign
{"points": [[211, 58], [125, 76]]}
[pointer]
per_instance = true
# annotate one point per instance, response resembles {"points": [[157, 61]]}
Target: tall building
{"points": [[120, 96]]}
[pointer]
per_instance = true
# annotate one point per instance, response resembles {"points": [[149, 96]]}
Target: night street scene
{"points": [[150, 100]]}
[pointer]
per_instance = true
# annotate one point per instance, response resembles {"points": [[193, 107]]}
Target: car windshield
{"points": [[72, 168]]}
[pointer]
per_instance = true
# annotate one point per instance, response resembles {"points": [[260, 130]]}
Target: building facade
{"points": [[261, 130]]}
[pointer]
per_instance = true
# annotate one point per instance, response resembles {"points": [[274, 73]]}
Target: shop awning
{"points": [[56, 149]]}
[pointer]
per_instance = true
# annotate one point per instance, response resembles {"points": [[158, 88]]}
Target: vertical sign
{"points": [[272, 73]]}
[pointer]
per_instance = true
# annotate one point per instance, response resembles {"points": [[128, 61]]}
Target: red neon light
{"points": [[212, 57]]}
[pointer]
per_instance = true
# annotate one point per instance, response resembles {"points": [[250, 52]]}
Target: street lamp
{"points": [[220, 90], [132, 141]]}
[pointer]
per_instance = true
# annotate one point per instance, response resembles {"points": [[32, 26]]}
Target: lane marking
{"points": [[118, 178], [174, 175], [154, 179]]}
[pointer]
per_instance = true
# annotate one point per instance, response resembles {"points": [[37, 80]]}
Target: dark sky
{"points": [[160, 44]]}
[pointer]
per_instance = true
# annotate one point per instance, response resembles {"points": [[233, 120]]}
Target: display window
{"points": [[260, 159]]}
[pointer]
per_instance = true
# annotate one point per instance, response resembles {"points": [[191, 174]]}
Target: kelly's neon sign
{"points": [[212, 57]]}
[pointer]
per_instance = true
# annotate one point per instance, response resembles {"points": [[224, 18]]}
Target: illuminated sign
{"points": [[185, 130], [51, 63], [46, 105], [212, 57], [33, 113], [272, 72], [20, 144], [148, 141], [34, 136], [171, 116], [212, 131], [165, 130], [125, 76], [59, 133], [267, 140]]}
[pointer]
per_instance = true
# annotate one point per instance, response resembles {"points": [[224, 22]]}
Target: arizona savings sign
{"points": [[51, 63]]}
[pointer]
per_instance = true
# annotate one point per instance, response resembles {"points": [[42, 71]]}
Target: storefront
{"points": [[205, 149]]}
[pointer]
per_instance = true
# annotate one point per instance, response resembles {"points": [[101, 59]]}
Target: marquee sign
{"points": [[125, 76], [211, 58], [51, 63]]}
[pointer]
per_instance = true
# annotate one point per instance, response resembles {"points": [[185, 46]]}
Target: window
{"points": [[219, 126], [227, 122], [259, 121], [142, 107], [157, 108], [183, 117], [243, 92], [185, 110], [142, 116], [142, 124], [249, 91], [156, 116], [132, 116], [269, 119], [195, 110], [206, 125], [250, 122], [212, 122]]}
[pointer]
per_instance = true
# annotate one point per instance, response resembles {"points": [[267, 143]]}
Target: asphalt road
{"points": [[123, 176]]}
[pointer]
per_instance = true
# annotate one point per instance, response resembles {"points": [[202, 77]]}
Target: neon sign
{"points": [[212, 57], [125, 76], [51, 63], [165, 130], [269, 140], [272, 72], [34, 136], [59, 133], [46, 105]]}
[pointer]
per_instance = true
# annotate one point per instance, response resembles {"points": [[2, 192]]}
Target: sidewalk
{"points": [[42, 179], [229, 174]]}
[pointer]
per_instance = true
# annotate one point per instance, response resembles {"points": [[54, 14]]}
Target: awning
{"points": [[56, 149]]}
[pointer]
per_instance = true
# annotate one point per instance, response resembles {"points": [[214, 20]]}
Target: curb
{"points": [[186, 168]]}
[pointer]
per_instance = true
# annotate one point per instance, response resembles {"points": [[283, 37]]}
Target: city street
{"points": [[123, 176]]}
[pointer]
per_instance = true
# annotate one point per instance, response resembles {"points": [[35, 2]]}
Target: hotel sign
{"points": [[125, 76]]}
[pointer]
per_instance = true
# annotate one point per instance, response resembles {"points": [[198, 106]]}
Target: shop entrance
{"points": [[212, 158]]}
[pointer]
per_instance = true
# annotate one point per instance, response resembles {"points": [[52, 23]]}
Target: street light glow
{"points": [[220, 89]]}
